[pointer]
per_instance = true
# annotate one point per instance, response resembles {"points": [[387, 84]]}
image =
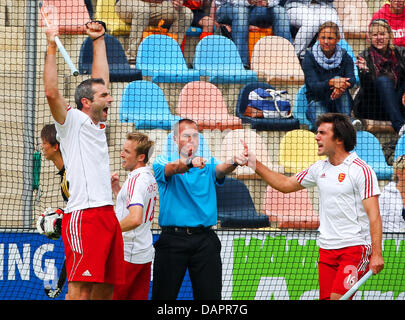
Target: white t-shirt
{"points": [[85, 154], [343, 220], [140, 188]]}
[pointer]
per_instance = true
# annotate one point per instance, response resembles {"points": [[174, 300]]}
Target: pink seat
{"points": [[203, 102], [292, 210], [70, 15], [355, 17]]}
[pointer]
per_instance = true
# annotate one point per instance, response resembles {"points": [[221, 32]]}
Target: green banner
{"points": [[284, 266]]}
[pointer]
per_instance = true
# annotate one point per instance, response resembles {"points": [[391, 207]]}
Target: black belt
{"points": [[186, 230]]}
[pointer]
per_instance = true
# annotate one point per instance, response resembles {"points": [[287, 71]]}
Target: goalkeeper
{"points": [[50, 222]]}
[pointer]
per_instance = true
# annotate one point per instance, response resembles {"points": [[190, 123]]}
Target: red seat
{"points": [[292, 210], [203, 102], [71, 16]]}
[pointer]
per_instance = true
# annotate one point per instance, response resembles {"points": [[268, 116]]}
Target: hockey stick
{"points": [[356, 286], [61, 48], [53, 293]]}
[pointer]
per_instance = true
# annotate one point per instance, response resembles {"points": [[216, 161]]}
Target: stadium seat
{"points": [[236, 208], [355, 17], [300, 107], [222, 65], [231, 145], [105, 11], [292, 210], [120, 70], [400, 147], [345, 45], [274, 59], [144, 103], [203, 102], [255, 34], [171, 150], [298, 150], [261, 124], [70, 15], [160, 57], [369, 149]]}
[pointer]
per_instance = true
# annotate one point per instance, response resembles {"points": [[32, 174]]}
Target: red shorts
{"points": [[94, 247], [137, 282], [340, 269]]}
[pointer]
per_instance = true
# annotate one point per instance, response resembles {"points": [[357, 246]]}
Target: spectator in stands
{"points": [[141, 13], [329, 74], [187, 211], [394, 13], [391, 199], [242, 13], [200, 18], [382, 78], [307, 16]]}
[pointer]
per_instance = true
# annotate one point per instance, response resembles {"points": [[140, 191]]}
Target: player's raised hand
{"points": [[51, 32], [95, 29]]}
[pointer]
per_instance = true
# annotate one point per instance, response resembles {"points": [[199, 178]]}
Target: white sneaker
{"points": [[358, 125], [401, 131]]}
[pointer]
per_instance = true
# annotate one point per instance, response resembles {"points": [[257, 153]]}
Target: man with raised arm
{"points": [[90, 230]]}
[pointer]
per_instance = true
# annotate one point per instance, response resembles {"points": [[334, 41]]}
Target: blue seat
{"points": [[300, 107], [217, 57], [343, 43], [160, 57], [369, 149], [120, 70], [236, 208], [400, 147], [262, 124], [144, 103]]}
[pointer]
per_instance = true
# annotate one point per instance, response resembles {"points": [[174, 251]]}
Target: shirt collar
{"points": [[145, 169], [349, 159]]}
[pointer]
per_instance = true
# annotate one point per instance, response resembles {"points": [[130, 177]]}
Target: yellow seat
{"points": [[105, 11], [274, 58], [298, 150]]}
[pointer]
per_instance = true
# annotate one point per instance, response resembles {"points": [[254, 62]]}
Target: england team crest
{"points": [[341, 177]]}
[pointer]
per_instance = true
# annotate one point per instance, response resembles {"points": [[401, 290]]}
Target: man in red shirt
{"points": [[394, 13]]}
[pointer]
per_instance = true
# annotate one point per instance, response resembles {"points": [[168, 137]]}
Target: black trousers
{"points": [[196, 249]]}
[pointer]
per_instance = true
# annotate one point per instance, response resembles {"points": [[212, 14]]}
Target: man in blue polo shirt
{"points": [[187, 211]]}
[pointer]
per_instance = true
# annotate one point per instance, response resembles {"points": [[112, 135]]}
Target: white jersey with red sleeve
{"points": [[140, 189], [343, 219], [85, 154]]}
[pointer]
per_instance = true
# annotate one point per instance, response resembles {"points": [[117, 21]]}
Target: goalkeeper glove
{"points": [[49, 223]]}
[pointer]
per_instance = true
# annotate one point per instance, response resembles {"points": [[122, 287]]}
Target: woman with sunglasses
{"points": [[394, 13], [382, 78]]}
